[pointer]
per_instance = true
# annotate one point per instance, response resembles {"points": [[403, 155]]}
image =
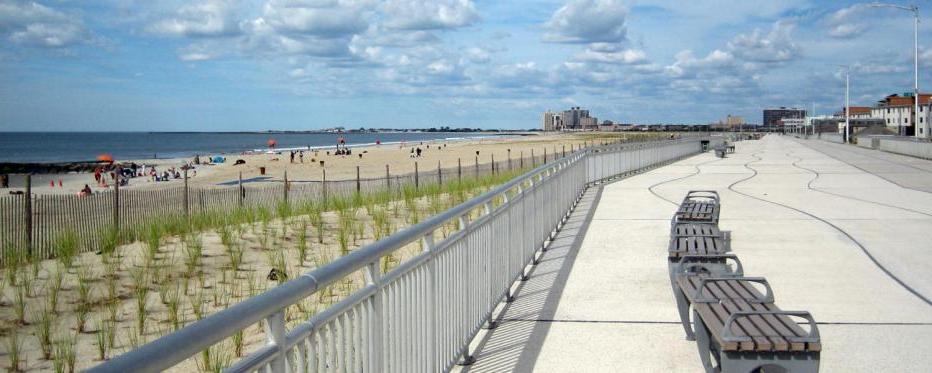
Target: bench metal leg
{"points": [[682, 305], [704, 343]]}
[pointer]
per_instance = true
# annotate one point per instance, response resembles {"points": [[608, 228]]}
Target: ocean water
{"points": [[49, 147]]}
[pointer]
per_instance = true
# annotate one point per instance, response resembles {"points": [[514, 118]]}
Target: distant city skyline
{"points": [[219, 65]]}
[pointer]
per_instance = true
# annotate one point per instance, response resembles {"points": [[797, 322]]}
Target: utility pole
{"points": [[915, 10], [847, 108], [847, 122]]}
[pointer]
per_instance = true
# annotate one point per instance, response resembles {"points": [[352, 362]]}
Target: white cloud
{"points": [[879, 68], [429, 14], [588, 21], [478, 55], [203, 19], [624, 56], [34, 24], [775, 46], [326, 19], [687, 65], [847, 22]]}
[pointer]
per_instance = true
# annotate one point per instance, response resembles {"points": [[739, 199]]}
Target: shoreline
{"points": [[41, 162], [396, 157]]}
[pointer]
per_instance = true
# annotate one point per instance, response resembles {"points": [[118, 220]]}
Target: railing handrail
{"points": [[171, 349]]}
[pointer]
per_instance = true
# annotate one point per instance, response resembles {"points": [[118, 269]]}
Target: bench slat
{"points": [[767, 332]]}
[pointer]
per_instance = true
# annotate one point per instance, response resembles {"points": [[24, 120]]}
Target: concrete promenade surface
{"points": [[800, 215]]}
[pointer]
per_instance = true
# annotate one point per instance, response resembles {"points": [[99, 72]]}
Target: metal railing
{"points": [[421, 315]]}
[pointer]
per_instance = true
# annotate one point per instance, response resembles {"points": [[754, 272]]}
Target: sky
{"points": [[219, 65]]}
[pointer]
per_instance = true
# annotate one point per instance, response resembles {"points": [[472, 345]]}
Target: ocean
{"points": [[54, 147]]}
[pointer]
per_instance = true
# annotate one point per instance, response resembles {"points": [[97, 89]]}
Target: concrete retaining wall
{"points": [[906, 147], [832, 137], [868, 142]]}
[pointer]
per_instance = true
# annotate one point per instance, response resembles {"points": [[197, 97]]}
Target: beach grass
{"points": [[201, 265]]}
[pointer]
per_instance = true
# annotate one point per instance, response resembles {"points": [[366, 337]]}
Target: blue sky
{"points": [[306, 64]]}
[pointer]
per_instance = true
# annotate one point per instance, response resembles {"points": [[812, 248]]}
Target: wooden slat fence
{"points": [[89, 217]]}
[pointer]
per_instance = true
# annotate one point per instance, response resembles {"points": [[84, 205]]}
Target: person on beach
{"points": [[4, 181], [301, 156], [86, 191], [292, 157]]}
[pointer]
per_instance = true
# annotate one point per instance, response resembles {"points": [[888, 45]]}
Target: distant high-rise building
{"points": [[576, 118], [548, 121], [572, 118], [773, 117], [734, 120]]}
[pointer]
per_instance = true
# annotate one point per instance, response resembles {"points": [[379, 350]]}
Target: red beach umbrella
{"points": [[271, 143], [105, 158]]}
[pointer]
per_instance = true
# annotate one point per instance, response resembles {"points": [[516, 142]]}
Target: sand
{"points": [[372, 163]]}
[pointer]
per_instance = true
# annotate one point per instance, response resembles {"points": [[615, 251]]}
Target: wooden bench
{"points": [[697, 239], [742, 329], [700, 206], [718, 265]]}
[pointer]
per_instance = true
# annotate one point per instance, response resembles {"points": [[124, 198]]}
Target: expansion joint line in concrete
{"points": [[658, 322], [866, 171], [817, 175], [842, 231], [698, 171]]}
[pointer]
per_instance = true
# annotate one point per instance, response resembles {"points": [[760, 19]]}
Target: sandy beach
{"points": [[372, 163]]}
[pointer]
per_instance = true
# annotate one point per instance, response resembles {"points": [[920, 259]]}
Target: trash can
{"points": [[262, 170]]}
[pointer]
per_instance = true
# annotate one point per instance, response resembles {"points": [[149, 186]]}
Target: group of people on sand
{"points": [[299, 153], [121, 173], [416, 152]]}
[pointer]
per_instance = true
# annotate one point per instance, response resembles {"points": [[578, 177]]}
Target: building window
{"points": [[888, 110]]}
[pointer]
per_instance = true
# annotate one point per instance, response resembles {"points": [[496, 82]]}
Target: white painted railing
{"points": [[422, 315]]}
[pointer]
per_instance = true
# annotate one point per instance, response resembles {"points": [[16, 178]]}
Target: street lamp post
{"points": [[847, 107], [915, 10]]}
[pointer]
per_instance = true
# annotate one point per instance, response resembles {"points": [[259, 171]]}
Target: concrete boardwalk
{"points": [[835, 239]]}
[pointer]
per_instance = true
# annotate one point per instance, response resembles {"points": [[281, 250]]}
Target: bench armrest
{"points": [[688, 262], [703, 193], [698, 295], [813, 336]]}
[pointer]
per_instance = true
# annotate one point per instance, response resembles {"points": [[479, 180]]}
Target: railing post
{"points": [[509, 160], [545, 155], [185, 192], [533, 160], [388, 178], [564, 150], [432, 298], [521, 160], [439, 174], [358, 184], [373, 276], [416, 180], [477, 165], [459, 169], [275, 331], [28, 214]]}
